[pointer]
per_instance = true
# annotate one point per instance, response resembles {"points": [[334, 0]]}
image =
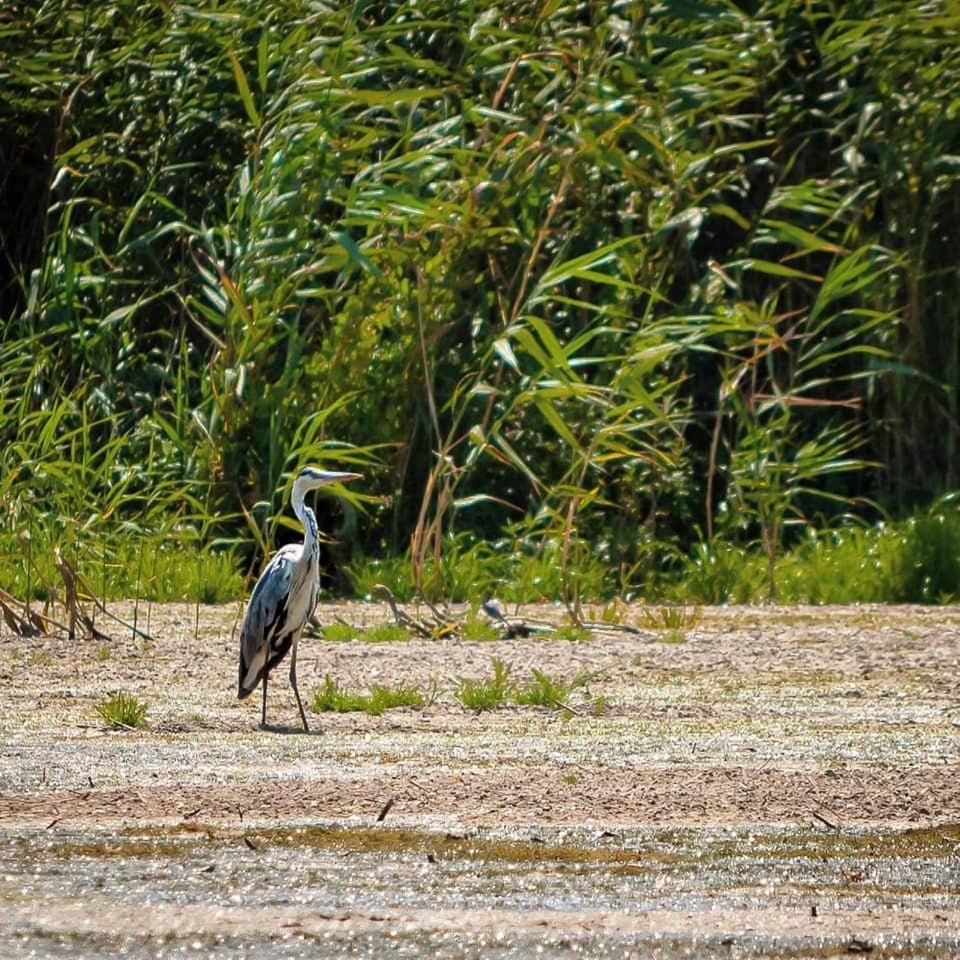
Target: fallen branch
{"points": [[75, 612], [402, 618], [23, 621]]}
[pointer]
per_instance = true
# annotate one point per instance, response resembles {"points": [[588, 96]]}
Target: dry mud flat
{"points": [[784, 782]]}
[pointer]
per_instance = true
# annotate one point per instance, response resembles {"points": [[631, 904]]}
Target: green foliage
{"points": [[479, 630], [114, 569], [486, 694], [379, 699], [517, 571], [671, 618], [339, 633], [571, 633], [123, 711], [916, 561], [385, 633], [544, 691], [567, 282]]}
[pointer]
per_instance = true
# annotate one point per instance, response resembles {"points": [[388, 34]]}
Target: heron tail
{"points": [[249, 677]]}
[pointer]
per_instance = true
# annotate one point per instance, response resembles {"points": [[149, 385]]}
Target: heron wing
{"points": [[265, 616]]}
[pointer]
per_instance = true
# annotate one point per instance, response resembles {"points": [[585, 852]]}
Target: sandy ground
{"points": [[762, 715], [783, 782]]}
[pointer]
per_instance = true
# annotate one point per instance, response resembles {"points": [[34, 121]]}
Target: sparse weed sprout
{"points": [[104, 653], [123, 711], [333, 698], [486, 694]]}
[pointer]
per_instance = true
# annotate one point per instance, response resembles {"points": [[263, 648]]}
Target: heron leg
{"points": [[263, 712], [293, 683]]}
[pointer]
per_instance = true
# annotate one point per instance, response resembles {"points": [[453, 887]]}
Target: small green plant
{"points": [[104, 653], [40, 658], [486, 694], [571, 633], [477, 629], [614, 611], [571, 778], [672, 618], [332, 698], [339, 633], [598, 706], [387, 633], [544, 691], [123, 711], [673, 636]]}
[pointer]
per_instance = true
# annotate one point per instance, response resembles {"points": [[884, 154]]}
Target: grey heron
{"points": [[284, 597]]}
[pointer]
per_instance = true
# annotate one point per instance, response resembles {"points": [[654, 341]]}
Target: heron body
{"points": [[284, 598]]}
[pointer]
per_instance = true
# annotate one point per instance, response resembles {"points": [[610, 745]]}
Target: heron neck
{"points": [[311, 540]]}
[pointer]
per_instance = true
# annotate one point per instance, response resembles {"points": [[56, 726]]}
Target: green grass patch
{"points": [[332, 698], [123, 711], [114, 568], [545, 691], [671, 618], [386, 633], [516, 570], [477, 629], [572, 634], [486, 694], [913, 561]]}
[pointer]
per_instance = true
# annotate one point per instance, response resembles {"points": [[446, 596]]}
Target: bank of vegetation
{"points": [[602, 298]]}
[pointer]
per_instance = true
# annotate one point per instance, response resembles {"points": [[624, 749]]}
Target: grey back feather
{"points": [[267, 605]]}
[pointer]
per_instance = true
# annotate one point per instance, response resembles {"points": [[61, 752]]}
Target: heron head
{"points": [[311, 477]]}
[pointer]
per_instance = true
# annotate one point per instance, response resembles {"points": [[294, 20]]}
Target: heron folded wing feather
{"points": [[265, 618]]}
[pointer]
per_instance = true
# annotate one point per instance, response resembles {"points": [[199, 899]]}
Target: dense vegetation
{"points": [[600, 297]]}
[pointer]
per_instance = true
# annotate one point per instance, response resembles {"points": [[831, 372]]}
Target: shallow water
{"points": [[194, 890]]}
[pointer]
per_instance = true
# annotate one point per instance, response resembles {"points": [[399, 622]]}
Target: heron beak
{"points": [[336, 476]]}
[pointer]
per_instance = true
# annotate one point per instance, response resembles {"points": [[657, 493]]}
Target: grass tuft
{"points": [[332, 698], [479, 630], [572, 634], [544, 691], [486, 694], [339, 633], [673, 619], [123, 711], [386, 633]]}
